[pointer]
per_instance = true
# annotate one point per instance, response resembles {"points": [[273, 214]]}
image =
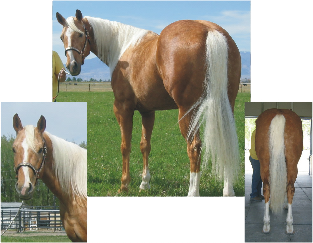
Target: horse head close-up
{"points": [[29, 155], [76, 39]]}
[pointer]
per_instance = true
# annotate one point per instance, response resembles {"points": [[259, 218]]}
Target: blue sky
{"points": [[234, 16], [67, 120]]}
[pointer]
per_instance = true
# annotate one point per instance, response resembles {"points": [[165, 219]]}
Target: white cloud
{"points": [[235, 22]]}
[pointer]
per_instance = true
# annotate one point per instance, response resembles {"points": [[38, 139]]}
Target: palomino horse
{"points": [[61, 165], [278, 144], [194, 66]]}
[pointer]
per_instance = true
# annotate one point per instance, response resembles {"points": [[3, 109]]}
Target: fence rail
{"points": [[106, 86], [31, 219]]}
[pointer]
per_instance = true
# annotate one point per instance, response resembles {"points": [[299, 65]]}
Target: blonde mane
{"points": [[112, 38], [70, 165]]}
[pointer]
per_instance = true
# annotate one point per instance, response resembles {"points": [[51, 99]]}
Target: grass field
{"points": [[34, 237], [168, 160]]}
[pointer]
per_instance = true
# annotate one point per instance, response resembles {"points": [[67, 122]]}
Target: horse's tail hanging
{"points": [[220, 141], [278, 171]]}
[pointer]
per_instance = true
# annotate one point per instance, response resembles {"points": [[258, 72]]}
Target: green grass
{"points": [[168, 160], [37, 238]]}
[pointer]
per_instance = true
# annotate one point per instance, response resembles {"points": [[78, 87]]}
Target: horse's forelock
{"points": [[71, 24]]}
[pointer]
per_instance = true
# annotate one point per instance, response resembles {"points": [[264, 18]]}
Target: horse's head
{"points": [[29, 155], [75, 38]]}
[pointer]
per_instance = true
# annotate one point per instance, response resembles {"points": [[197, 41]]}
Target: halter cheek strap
{"points": [[44, 154], [87, 39]]}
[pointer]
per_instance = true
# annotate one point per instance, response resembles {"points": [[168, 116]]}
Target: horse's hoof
{"points": [[290, 231], [266, 229], [144, 186], [123, 189], [228, 193]]}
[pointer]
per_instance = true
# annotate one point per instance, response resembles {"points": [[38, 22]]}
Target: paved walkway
{"points": [[301, 208]]}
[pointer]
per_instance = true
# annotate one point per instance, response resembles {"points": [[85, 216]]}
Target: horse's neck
{"points": [[113, 38], [49, 176]]}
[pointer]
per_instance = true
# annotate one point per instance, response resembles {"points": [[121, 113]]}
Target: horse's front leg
{"points": [[124, 116], [145, 146]]}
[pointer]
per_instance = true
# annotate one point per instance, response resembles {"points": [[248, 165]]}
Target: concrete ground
{"points": [[301, 208]]}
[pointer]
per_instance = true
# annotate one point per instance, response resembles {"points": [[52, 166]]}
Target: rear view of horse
{"points": [[193, 66], [61, 165], [278, 144]]}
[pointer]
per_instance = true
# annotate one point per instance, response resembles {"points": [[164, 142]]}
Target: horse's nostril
{"points": [[30, 187]]}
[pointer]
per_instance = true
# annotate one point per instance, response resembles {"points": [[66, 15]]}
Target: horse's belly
{"points": [[155, 101]]}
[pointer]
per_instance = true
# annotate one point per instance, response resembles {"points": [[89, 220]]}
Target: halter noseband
{"points": [[44, 154], [71, 48]]}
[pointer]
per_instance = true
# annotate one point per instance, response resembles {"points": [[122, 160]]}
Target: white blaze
{"points": [[25, 168], [69, 33]]}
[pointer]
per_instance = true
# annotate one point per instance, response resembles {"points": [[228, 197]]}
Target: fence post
{"points": [[19, 228], [89, 87]]}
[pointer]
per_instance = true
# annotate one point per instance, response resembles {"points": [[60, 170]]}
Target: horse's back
{"points": [[181, 60]]}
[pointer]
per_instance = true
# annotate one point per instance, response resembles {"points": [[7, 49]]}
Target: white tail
{"points": [[278, 170], [213, 109]]}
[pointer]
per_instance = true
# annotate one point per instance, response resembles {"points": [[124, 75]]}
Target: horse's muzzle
{"points": [[74, 68], [25, 192]]}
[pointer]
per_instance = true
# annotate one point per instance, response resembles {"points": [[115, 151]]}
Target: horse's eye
{"points": [[80, 35], [61, 37], [40, 151], [13, 149]]}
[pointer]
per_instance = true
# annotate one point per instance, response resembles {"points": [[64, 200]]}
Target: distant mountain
{"points": [[245, 64], [96, 69]]}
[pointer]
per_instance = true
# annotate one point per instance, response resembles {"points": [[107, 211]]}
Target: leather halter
{"points": [[44, 154], [87, 39]]}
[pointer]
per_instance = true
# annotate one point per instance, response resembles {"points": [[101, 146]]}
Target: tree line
{"points": [[81, 80], [42, 195]]}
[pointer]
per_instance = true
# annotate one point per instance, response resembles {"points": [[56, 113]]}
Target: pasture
{"points": [[12, 236], [168, 160]]}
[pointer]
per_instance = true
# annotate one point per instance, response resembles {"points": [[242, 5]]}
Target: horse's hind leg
{"points": [[145, 146], [264, 162], [292, 172], [193, 150]]}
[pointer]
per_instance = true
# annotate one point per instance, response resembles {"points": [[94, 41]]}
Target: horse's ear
{"points": [[17, 124], [41, 125], [79, 15], [61, 19]]}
